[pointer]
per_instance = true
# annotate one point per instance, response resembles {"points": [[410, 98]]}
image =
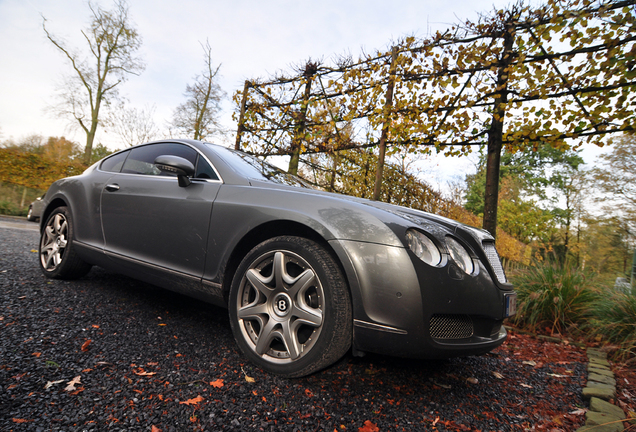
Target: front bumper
{"points": [[406, 308]]}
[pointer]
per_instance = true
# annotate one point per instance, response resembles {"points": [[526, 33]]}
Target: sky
{"points": [[249, 38]]}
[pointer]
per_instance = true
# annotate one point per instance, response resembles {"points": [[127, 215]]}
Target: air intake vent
{"points": [[495, 262], [451, 327]]}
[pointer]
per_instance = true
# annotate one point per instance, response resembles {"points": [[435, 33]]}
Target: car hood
{"points": [[394, 216]]}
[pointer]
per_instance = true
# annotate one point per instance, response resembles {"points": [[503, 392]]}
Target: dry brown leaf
{"points": [[369, 427], [85, 345], [142, 372], [71, 384], [497, 375], [218, 383], [192, 401]]}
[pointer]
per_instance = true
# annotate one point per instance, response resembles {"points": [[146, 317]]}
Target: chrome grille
{"points": [[495, 262], [451, 327]]}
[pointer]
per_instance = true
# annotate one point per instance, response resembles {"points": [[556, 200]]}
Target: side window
{"points": [[142, 159], [114, 163], [204, 170]]}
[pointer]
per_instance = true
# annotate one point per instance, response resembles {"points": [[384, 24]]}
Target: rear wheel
{"points": [[290, 308], [58, 259]]}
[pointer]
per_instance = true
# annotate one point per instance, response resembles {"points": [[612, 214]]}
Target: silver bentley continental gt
{"points": [[306, 275]]}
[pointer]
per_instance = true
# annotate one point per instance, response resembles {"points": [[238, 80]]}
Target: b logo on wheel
{"points": [[282, 305]]}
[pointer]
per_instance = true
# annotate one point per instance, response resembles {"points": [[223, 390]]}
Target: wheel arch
{"points": [[55, 203], [267, 231]]}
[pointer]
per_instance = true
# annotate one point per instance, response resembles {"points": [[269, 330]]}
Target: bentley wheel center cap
{"points": [[282, 304]]}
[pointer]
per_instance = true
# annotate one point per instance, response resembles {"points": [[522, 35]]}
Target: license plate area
{"points": [[510, 301]]}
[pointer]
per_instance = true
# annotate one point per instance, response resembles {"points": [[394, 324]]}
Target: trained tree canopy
{"points": [[518, 78]]}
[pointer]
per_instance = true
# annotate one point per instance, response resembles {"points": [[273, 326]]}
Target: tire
{"points": [[290, 308], [30, 217], [58, 259]]}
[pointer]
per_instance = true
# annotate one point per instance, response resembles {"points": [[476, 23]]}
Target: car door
{"points": [[149, 220]]}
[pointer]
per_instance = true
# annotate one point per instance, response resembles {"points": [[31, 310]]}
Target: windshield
{"points": [[255, 168]]}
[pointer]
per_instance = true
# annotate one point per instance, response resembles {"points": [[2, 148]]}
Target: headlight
{"points": [[423, 247], [460, 255]]}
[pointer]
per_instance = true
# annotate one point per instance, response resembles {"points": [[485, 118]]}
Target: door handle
{"points": [[112, 187]]}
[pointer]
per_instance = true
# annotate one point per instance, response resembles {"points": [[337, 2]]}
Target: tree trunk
{"points": [[241, 122], [377, 189], [495, 135], [299, 133]]}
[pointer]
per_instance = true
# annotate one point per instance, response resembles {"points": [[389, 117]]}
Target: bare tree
{"points": [[134, 126], [112, 42], [197, 117]]}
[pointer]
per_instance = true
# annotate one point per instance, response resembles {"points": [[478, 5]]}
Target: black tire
{"points": [[58, 259], [300, 312]]}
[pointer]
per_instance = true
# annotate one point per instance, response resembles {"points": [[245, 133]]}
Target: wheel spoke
{"points": [[259, 282], [290, 338], [253, 311], [301, 283], [266, 337], [306, 315]]}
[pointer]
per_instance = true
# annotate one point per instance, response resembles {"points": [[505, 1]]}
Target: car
{"points": [[35, 209], [306, 275]]}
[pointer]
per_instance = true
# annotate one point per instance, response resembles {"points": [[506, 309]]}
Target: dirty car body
{"points": [[306, 275]]}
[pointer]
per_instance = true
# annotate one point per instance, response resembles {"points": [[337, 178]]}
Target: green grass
{"points": [[554, 297], [614, 321]]}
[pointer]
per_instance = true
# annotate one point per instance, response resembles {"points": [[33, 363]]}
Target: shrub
{"points": [[554, 296], [614, 319]]}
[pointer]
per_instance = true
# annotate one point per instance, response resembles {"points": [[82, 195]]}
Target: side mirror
{"points": [[183, 168]]}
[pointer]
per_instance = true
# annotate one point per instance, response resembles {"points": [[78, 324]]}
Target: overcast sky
{"points": [[249, 38]]}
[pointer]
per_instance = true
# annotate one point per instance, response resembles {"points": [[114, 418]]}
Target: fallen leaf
{"points": [[247, 378], [497, 375], [557, 375], [17, 420], [218, 383], [529, 362], [446, 386], [472, 380], [193, 401], [369, 427], [34, 251], [579, 411], [72, 383], [85, 345], [526, 385], [155, 429], [37, 354], [52, 383], [95, 326], [142, 372]]}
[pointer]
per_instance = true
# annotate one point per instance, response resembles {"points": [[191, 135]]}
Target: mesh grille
{"points": [[495, 262], [451, 327]]}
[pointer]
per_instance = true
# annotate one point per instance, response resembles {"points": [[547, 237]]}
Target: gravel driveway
{"points": [[109, 353]]}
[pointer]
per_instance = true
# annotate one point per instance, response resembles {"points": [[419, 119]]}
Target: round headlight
{"points": [[460, 255], [423, 247]]}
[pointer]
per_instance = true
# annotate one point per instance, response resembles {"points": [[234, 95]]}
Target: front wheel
{"points": [[290, 309], [58, 259]]}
